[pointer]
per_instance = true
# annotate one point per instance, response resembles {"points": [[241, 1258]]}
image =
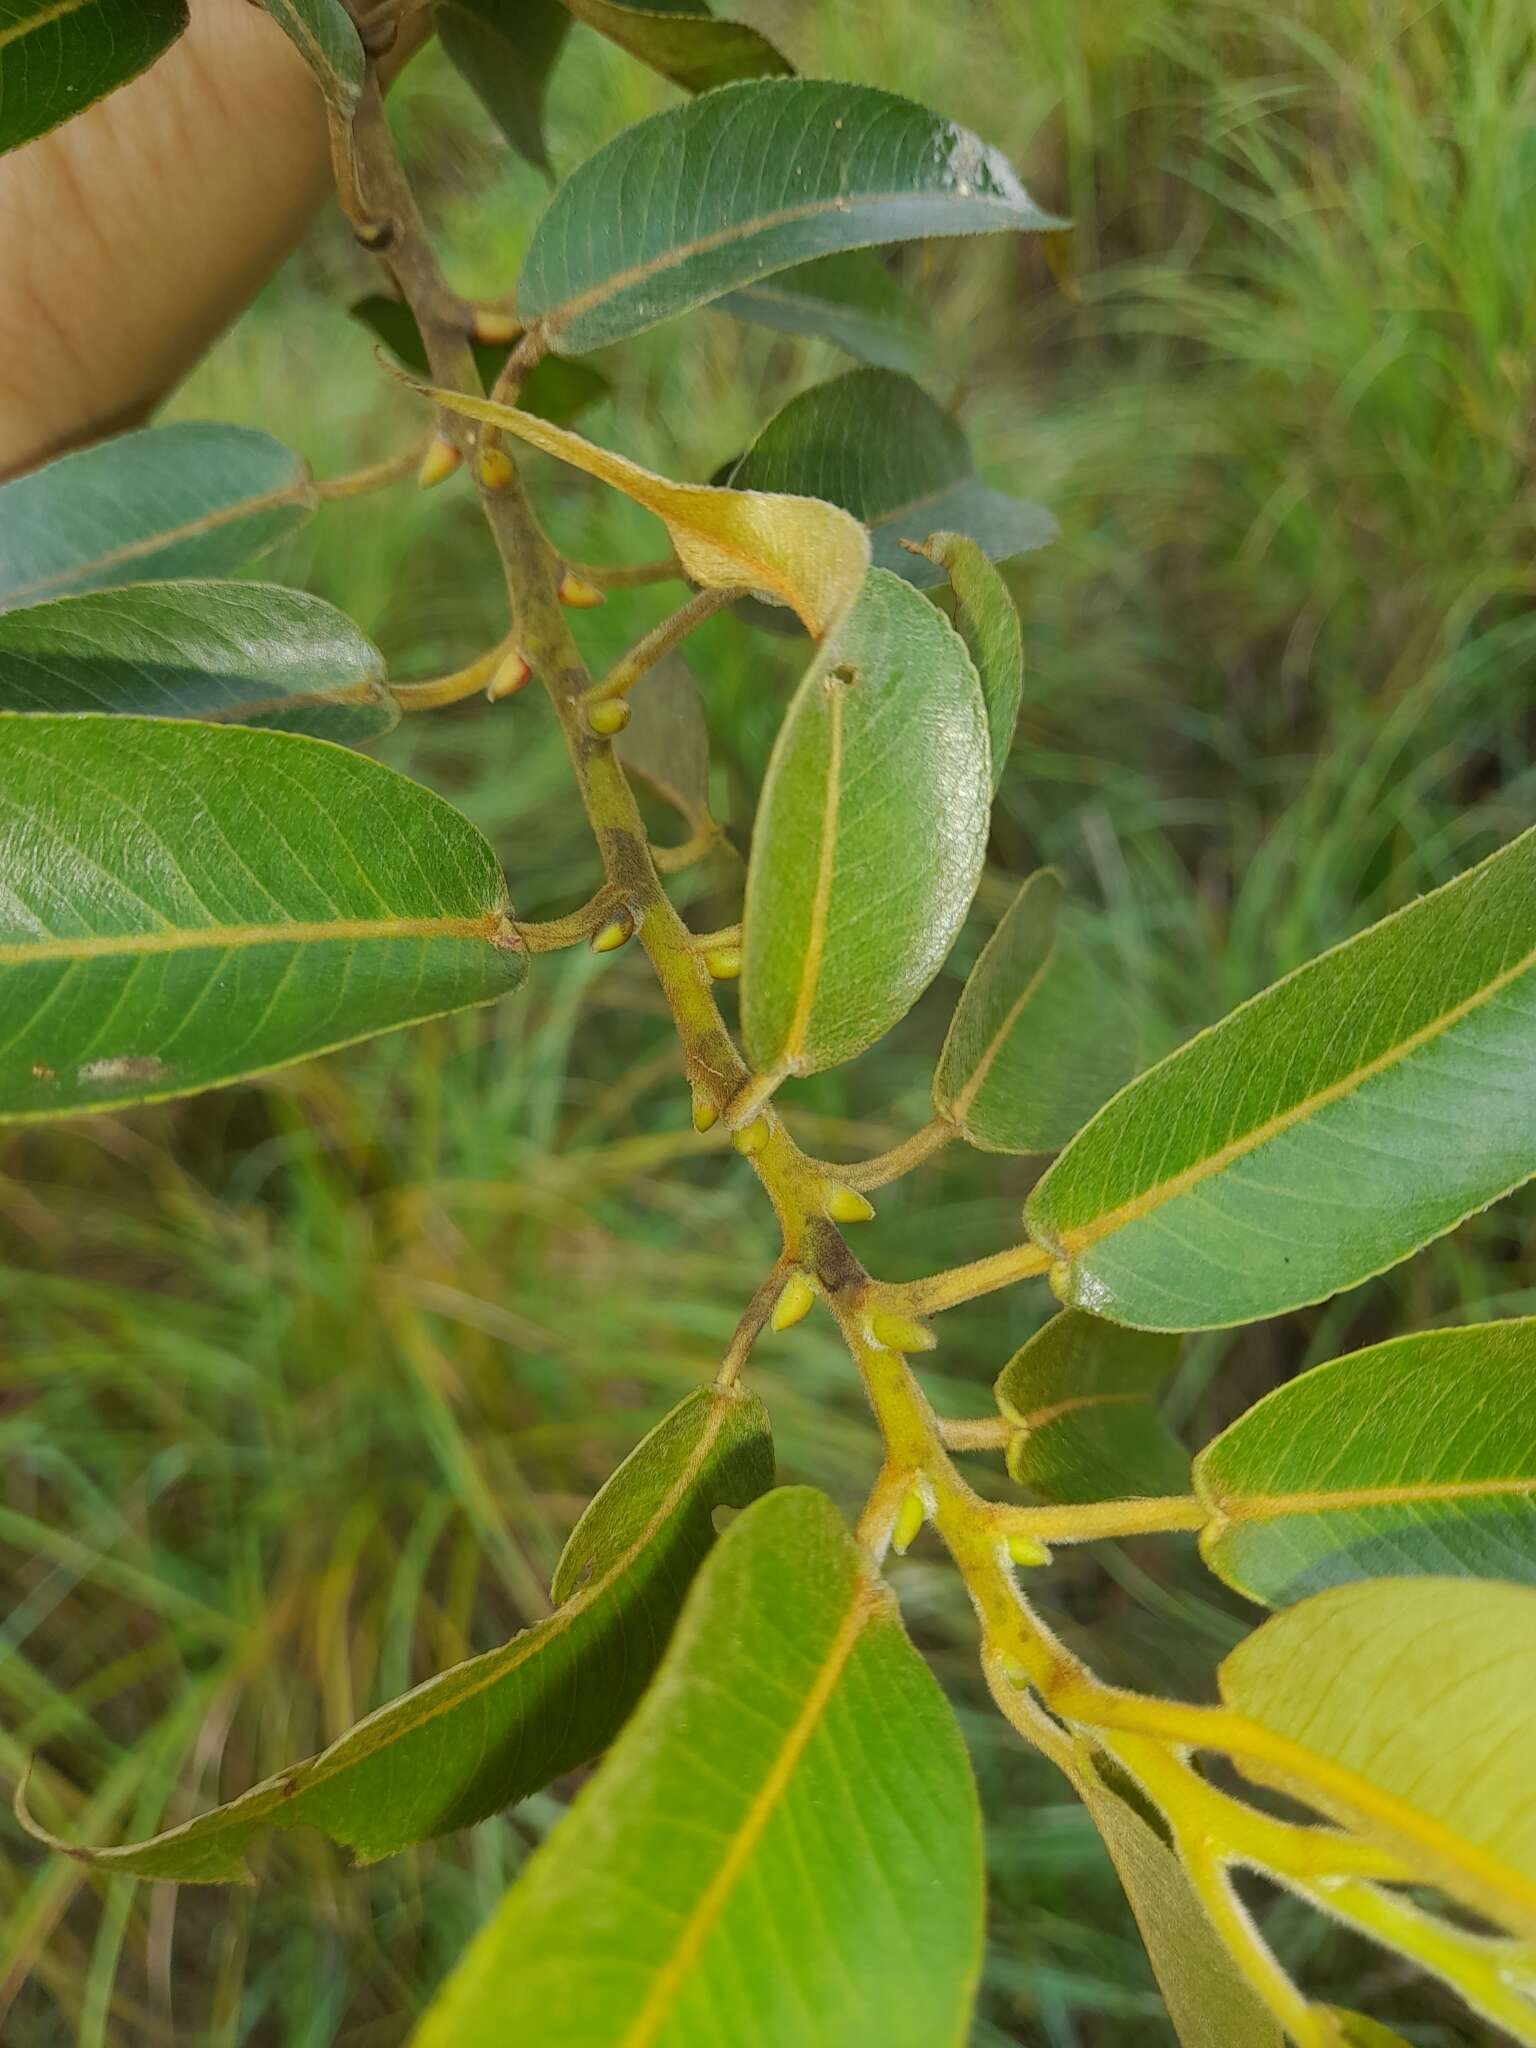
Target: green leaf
{"points": [[849, 298], [752, 178], [1423, 1688], [505, 51], [666, 742], [490, 1731], [1210, 2004], [185, 500], [1413, 1456], [57, 56], [1042, 1033], [683, 41], [235, 653], [1320, 1133], [870, 834], [1082, 1394], [876, 444], [555, 389], [323, 33], [183, 905], [987, 620], [786, 1833]]}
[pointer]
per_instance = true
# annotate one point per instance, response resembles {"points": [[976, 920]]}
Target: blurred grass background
{"points": [[302, 1385]]}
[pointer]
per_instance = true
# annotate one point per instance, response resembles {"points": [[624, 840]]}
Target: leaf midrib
{"points": [[821, 898], [298, 492], [34, 22], [620, 281], [1267, 1507], [494, 927], [1079, 1237], [965, 1097], [863, 1607]]}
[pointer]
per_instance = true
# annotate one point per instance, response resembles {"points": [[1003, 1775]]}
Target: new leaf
{"points": [[786, 1832], [876, 444]]}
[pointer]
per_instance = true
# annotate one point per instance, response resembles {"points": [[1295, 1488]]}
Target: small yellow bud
{"points": [[751, 1137], [797, 1300], [495, 466], [1060, 1280], [846, 1205], [910, 1518], [705, 1114], [513, 675], [493, 329], [1024, 1549], [723, 962], [901, 1333], [578, 593], [608, 716], [439, 462], [613, 934]]}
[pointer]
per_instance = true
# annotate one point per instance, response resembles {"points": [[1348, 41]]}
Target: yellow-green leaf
{"points": [[1209, 2003], [1426, 1690], [782, 1847], [797, 551], [1413, 1456]]}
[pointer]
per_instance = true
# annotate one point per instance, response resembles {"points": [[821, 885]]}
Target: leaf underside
{"points": [[849, 298], [183, 905], [1322, 1132], [487, 1732], [1414, 1456], [786, 1832], [1082, 1395]]}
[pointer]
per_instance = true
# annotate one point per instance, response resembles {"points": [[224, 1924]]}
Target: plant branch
{"points": [[454, 687], [1100, 1520], [899, 1159], [658, 643], [628, 575], [376, 476], [554, 934], [981, 1276]]}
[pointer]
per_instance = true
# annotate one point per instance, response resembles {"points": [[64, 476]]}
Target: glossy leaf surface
{"points": [[183, 905], [1352, 1675], [752, 178], [876, 444], [184, 500], [666, 742], [1042, 1034], [229, 653], [54, 61], [1323, 1131], [785, 1833], [684, 42], [1209, 2003], [870, 835], [1361, 2032], [556, 389], [987, 620], [798, 551], [849, 298], [488, 1732], [1082, 1394], [1415, 1456], [322, 33], [505, 51]]}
